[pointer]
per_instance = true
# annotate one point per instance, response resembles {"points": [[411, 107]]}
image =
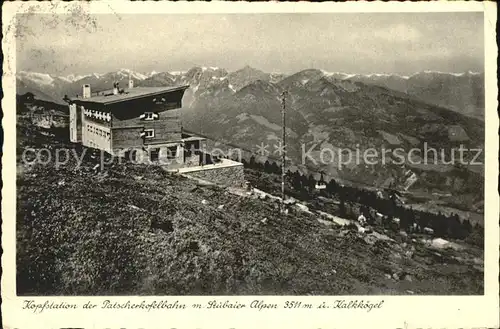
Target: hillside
{"points": [[461, 92], [325, 113], [138, 230]]}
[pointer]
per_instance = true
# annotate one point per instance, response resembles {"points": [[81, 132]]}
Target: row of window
{"points": [[97, 115], [169, 153], [97, 131], [107, 116]]}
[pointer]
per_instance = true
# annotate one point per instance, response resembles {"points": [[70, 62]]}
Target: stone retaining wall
{"points": [[226, 176]]}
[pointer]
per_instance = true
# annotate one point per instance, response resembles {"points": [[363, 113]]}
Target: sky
{"points": [[401, 43]]}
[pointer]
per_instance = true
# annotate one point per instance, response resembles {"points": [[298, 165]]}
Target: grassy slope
{"points": [[84, 233]]}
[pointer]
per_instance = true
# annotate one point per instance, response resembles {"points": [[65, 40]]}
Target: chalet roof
{"points": [[129, 94]]}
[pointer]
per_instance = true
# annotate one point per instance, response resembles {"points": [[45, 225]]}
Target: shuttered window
{"points": [[149, 116], [148, 133]]}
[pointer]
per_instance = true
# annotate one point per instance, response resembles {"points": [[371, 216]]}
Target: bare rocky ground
{"points": [[133, 229]]}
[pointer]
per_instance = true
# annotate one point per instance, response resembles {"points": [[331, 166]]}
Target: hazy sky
{"points": [[401, 43]]}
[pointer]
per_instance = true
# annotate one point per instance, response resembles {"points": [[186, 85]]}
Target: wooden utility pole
{"points": [[283, 153]]}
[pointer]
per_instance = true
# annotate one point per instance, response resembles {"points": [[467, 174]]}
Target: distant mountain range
{"points": [[461, 92]]}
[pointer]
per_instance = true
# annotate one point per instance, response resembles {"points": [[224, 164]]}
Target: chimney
{"points": [[130, 81], [115, 88], [86, 91]]}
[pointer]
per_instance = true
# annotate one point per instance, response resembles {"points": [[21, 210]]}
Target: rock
{"points": [[204, 201], [343, 233], [138, 177], [264, 220], [410, 292], [395, 276], [220, 207], [370, 239], [439, 243], [302, 207], [408, 278], [428, 230], [396, 255], [61, 183], [403, 234], [388, 276]]}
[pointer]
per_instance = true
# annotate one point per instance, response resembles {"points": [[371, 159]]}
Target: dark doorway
{"points": [[154, 155]]}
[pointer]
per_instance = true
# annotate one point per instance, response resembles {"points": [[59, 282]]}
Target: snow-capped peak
{"points": [[209, 68], [448, 73], [340, 75], [38, 78], [150, 74], [177, 72], [73, 78], [473, 73], [132, 74], [386, 75]]}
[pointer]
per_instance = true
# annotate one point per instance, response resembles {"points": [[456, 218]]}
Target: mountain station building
{"points": [[138, 122]]}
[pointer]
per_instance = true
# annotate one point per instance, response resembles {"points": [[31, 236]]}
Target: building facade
{"points": [[141, 123]]}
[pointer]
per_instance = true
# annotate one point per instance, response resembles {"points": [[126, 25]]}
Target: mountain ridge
{"points": [[462, 92], [143, 75]]}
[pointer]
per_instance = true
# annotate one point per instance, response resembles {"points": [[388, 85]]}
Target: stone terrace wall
{"points": [[227, 176], [47, 120]]}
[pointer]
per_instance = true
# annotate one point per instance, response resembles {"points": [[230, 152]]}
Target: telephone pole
{"points": [[283, 154]]}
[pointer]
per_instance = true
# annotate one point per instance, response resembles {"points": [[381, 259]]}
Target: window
{"points": [[149, 116], [149, 133], [171, 152]]}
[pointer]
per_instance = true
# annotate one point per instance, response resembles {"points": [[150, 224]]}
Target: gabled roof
{"points": [[106, 98]]}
